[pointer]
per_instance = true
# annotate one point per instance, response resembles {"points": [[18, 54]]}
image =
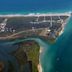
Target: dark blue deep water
{"points": [[27, 6], [56, 57]]}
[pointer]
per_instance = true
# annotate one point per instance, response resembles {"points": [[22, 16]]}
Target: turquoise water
{"points": [[55, 57]]}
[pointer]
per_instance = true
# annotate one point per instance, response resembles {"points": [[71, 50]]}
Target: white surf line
{"points": [[51, 14], [35, 14], [63, 25]]}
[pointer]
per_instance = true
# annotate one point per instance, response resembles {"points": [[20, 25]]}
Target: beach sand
{"points": [[39, 68], [63, 26], [36, 14], [39, 65]]}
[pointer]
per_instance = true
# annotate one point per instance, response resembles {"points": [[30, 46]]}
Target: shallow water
{"points": [[60, 50], [56, 57]]}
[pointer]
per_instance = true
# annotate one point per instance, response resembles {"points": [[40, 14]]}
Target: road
{"points": [[12, 36]]}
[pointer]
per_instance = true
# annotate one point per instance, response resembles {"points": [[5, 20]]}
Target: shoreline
{"points": [[39, 65], [36, 14], [63, 26], [41, 49]]}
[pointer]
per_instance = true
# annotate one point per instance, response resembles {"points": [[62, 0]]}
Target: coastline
{"points": [[63, 26], [36, 14], [39, 65]]}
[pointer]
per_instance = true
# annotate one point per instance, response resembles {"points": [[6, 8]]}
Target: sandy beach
{"points": [[36, 14], [39, 65], [63, 26], [39, 68]]}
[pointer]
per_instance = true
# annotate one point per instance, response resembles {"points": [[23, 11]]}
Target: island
{"points": [[47, 26]]}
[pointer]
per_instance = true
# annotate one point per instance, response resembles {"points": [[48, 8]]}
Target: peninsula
{"points": [[48, 26]]}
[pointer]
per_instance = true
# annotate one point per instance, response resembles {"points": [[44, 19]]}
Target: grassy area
{"points": [[28, 51]]}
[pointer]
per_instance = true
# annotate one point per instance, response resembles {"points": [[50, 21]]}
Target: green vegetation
{"points": [[28, 51]]}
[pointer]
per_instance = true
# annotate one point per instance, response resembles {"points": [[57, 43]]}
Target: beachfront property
{"points": [[26, 53], [47, 25]]}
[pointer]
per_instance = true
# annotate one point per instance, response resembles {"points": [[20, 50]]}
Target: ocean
{"points": [[29, 6], [56, 57]]}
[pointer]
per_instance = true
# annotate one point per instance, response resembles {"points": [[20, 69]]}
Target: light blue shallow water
{"points": [[62, 49]]}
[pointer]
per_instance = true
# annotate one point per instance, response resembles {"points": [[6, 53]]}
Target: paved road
{"points": [[12, 36]]}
